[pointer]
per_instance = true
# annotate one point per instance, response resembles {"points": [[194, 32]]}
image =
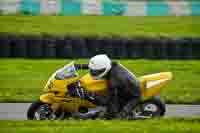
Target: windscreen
{"points": [[67, 71]]}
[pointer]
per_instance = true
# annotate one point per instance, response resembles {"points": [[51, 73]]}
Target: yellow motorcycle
{"points": [[57, 102]]}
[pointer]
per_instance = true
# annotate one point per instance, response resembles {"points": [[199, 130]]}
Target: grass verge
{"points": [[22, 80], [100, 126], [172, 26]]}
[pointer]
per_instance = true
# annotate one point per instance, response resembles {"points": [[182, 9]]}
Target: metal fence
{"points": [[101, 7]]}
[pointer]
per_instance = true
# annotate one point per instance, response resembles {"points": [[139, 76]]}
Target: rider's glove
{"points": [[75, 90], [83, 94]]}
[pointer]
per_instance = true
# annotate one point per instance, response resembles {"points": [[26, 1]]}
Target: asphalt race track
{"points": [[17, 111]]}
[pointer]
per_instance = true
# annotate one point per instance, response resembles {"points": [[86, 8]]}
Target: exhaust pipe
{"points": [[90, 114]]}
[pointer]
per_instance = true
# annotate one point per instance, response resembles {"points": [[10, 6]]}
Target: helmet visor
{"points": [[96, 73]]}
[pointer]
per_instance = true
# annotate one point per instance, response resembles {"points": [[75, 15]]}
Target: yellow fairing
{"points": [[151, 84], [56, 95], [98, 86], [71, 104], [47, 98], [60, 86]]}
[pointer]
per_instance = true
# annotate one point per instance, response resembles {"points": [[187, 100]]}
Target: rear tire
{"points": [[151, 108], [155, 107]]}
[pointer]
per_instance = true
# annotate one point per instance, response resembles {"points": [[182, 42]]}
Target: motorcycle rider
{"points": [[124, 90]]}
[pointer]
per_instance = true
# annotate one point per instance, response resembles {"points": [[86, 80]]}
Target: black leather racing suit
{"points": [[124, 90]]}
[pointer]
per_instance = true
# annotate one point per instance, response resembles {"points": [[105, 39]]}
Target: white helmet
{"points": [[99, 66]]}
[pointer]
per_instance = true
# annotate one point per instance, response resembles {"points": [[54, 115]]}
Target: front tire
{"points": [[32, 110], [42, 111]]}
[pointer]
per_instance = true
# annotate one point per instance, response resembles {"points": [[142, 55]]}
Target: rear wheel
{"points": [[42, 111], [151, 108]]}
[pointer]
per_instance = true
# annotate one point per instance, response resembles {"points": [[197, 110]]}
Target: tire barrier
{"points": [[34, 46], [60, 42], [195, 48], [5, 49], [49, 46], [68, 46], [18, 46]]}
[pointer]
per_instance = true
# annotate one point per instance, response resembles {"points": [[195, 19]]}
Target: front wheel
{"points": [[42, 111], [151, 108]]}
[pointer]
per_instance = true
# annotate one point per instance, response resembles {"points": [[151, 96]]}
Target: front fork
{"points": [[55, 105]]}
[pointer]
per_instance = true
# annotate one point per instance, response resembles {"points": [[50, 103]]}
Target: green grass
{"points": [[100, 126], [171, 26], [22, 80]]}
